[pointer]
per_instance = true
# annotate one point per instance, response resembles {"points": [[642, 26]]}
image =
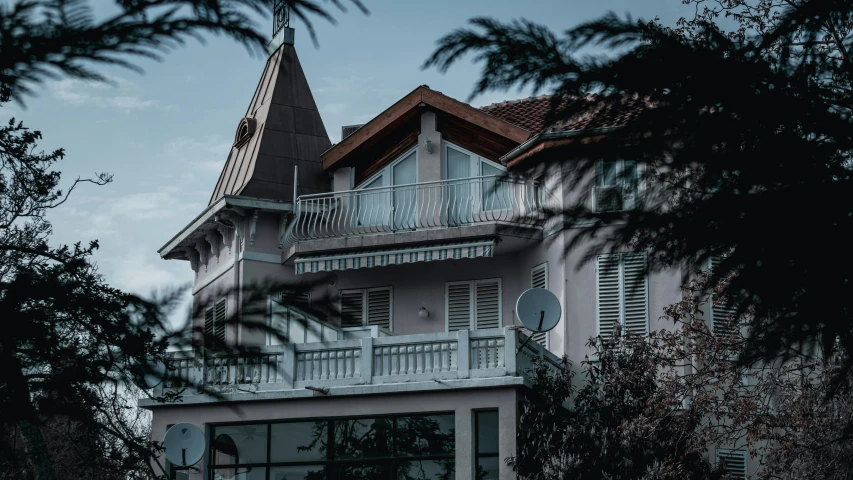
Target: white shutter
{"points": [[379, 307], [539, 279], [458, 297], [352, 308], [608, 294], [635, 293], [721, 323], [735, 461], [487, 313], [208, 322], [220, 315], [622, 293]]}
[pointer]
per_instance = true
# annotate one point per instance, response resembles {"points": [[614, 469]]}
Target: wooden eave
{"points": [[386, 123]]}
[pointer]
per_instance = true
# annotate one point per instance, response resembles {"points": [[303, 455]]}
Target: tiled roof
{"points": [[585, 113]]}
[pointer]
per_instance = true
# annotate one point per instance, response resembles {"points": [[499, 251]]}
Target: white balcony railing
{"points": [[367, 361], [445, 203]]}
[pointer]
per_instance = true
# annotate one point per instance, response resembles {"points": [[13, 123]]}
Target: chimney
{"points": [[348, 130]]}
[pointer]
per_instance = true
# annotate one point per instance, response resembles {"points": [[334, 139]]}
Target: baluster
{"points": [[356, 363], [395, 360], [300, 367], [420, 358], [501, 351], [378, 367]]}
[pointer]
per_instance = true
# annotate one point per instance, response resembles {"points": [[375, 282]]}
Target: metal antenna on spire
{"points": [[280, 16]]}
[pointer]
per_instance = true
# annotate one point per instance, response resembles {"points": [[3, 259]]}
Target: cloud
{"points": [[207, 153], [124, 95]]}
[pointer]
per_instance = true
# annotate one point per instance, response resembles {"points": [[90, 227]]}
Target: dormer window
{"points": [[244, 131]]}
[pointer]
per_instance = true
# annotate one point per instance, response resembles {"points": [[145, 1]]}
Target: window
{"points": [[734, 460], [408, 446], [622, 293], [289, 324], [391, 207], [473, 305], [617, 184], [723, 315], [487, 461], [539, 279], [367, 306], [465, 195], [215, 317]]}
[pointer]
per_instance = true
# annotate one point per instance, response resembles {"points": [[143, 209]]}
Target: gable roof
{"points": [[410, 105]]}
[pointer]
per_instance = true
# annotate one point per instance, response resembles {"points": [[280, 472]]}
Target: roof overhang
{"points": [[232, 204], [547, 140], [420, 98]]}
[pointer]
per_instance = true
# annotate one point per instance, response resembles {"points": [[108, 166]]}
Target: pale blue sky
{"points": [[165, 135]]}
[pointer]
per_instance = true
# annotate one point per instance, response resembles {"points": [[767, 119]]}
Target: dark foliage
{"points": [[43, 39], [621, 422], [747, 140]]}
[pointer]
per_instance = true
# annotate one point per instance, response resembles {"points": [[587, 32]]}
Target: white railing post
{"points": [[463, 349], [510, 345], [288, 365], [367, 360]]}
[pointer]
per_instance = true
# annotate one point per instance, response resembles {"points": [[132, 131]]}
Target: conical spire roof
{"points": [[282, 128]]}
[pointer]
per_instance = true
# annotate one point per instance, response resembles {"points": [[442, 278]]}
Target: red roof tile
{"points": [[531, 113]]}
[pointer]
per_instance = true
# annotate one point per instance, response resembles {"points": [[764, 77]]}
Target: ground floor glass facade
{"points": [[405, 447]]}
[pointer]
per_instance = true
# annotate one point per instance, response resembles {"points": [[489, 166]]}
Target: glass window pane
{"points": [[301, 472], [608, 174], [374, 206], [487, 468], [426, 435], [495, 190], [426, 469], [299, 442], [250, 442], [487, 432], [458, 164], [363, 438], [365, 471], [296, 328], [240, 473]]}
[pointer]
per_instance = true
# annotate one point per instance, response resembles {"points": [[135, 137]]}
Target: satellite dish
{"points": [[538, 309], [184, 444]]}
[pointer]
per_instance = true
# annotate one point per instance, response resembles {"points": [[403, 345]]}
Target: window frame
{"points": [[386, 170], [598, 167], [477, 454], [330, 463], [364, 304], [472, 302]]}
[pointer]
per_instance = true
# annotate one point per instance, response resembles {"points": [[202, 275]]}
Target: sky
{"points": [[165, 135]]}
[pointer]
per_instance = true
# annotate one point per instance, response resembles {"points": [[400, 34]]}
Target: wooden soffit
{"points": [[403, 112]]}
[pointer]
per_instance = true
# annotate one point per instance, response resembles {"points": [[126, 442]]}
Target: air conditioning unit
{"points": [[348, 130], [609, 199]]}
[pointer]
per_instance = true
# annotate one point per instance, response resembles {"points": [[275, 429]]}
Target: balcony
{"points": [[463, 359], [495, 200]]}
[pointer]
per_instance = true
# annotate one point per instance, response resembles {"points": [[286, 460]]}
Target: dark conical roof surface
{"points": [[285, 129]]}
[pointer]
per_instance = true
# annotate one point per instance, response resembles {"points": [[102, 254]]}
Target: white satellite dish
{"points": [[538, 309], [184, 444]]}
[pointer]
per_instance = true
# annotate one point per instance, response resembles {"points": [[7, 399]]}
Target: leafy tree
{"points": [[622, 422], [75, 348], [746, 135]]}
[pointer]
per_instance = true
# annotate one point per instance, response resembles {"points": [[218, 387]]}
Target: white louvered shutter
{"points": [[208, 322], [352, 308], [458, 296], [622, 293], [735, 461], [539, 279], [635, 293], [379, 307], [608, 294], [721, 323], [487, 304], [295, 299], [220, 315]]}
